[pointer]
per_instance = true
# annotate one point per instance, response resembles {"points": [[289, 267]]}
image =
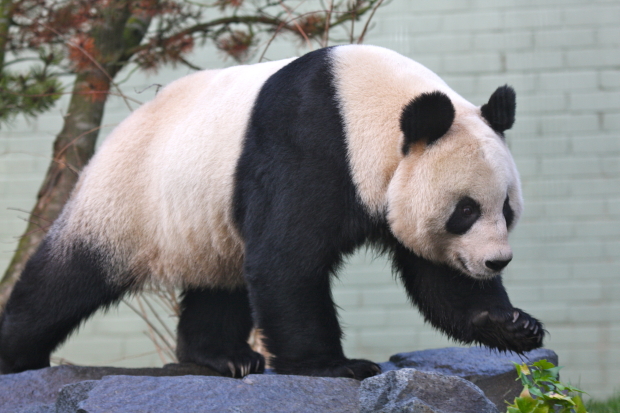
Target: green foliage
{"points": [[28, 92], [609, 406], [543, 392]]}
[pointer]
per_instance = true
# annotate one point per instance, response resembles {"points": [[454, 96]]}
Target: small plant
{"points": [[543, 392], [611, 405]]}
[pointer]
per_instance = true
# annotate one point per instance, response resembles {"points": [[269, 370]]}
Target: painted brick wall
{"points": [[563, 58]]}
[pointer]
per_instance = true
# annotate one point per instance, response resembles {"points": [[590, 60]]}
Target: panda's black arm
{"points": [[467, 310]]}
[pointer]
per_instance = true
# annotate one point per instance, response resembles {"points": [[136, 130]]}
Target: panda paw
{"points": [[513, 330], [236, 365], [358, 369]]}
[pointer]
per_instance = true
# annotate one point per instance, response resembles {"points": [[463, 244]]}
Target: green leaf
{"points": [[543, 392], [526, 393], [541, 409], [536, 392], [579, 406], [555, 371], [543, 364], [559, 397], [525, 404], [525, 369], [573, 389]]}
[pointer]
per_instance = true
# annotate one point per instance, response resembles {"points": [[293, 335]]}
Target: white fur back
{"points": [[157, 197]]}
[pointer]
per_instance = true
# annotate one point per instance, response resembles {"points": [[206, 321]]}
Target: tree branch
{"points": [[206, 27]]}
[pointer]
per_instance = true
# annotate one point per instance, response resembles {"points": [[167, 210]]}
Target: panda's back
{"points": [[157, 196]]}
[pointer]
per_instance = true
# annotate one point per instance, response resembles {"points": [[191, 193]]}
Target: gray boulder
{"points": [[70, 396], [414, 391], [34, 391], [98, 389], [255, 394], [492, 371]]}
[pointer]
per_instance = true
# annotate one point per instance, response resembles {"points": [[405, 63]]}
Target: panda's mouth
{"points": [[463, 265], [467, 271]]}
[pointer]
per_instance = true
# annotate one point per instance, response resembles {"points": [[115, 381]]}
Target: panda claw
{"points": [[516, 331], [231, 367]]}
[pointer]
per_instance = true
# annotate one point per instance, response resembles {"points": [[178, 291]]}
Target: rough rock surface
{"points": [[38, 389], [109, 389], [71, 395], [254, 394], [492, 371], [415, 391]]}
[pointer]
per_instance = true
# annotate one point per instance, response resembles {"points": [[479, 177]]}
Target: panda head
{"points": [[456, 193]]}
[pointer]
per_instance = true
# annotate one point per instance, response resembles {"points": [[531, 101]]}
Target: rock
{"points": [[39, 408], [492, 371], [71, 395], [255, 393], [415, 391], [38, 389]]}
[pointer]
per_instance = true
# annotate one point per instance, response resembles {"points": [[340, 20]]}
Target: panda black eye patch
{"points": [[509, 214], [465, 214]]}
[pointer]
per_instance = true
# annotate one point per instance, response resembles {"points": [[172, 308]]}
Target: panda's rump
{"points": [[157, 196]]}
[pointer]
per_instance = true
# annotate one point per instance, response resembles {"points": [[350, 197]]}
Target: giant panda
{"points": [[245, 187]]}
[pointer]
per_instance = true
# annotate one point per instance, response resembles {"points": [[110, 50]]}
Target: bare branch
{"points": [[372, 13], [189, 64], [206, 27], [156, 314], [298, 28], [327, 21]]}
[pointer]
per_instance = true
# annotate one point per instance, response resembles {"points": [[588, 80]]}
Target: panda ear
{"points": [[500, 110], [427, 117]]}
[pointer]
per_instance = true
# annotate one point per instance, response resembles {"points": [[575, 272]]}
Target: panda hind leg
{"points": [[213, 331], [55, 293]]}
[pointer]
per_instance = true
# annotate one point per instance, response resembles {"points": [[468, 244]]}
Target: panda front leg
{"points": [[292, 300], [213, 331], [468, 310]]}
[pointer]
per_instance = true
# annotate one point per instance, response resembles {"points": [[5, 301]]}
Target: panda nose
{"points": [[497, 265]]}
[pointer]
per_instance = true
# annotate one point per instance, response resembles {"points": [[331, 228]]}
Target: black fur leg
{"points": [[299, 320], [468, 310], [298, 211], [358, 369], [301, 329], [54, 294], [213, 331]]}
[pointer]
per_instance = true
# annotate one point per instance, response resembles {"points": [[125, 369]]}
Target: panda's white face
{"points": [[455, 200]]}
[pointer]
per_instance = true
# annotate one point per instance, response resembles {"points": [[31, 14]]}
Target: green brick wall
{"points": [[563, 59]]}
